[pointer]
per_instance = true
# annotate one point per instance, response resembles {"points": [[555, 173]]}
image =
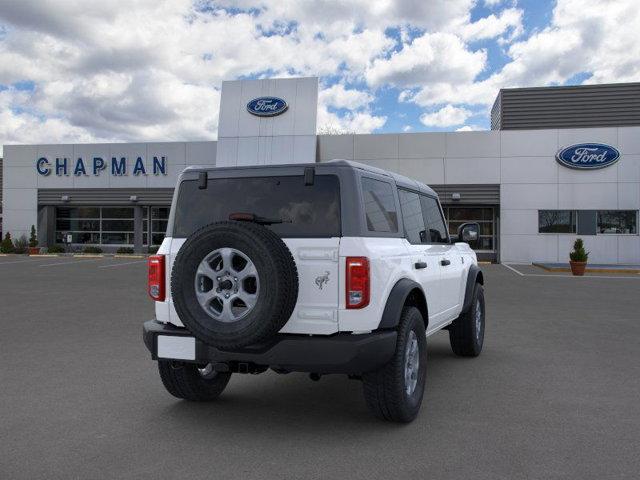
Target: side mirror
{"points": [[469, 232]]}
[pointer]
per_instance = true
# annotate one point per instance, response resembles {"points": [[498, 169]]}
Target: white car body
{"points": [[321, 309]]}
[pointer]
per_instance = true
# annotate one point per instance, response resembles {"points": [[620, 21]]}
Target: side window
{"points": [[379, 206], [437, 233], [412, 216]]}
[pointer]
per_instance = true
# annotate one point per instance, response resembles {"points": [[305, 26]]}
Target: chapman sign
{"points": [[267, 106], [588, 156], [96, 165]]}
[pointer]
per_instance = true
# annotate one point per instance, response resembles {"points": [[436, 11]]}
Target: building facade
{"points": [[530, 204]]}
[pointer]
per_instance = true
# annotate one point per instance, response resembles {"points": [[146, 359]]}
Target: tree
{"points": [[7, 244], [33, 239]]}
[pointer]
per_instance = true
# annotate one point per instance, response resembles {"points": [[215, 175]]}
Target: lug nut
{"points": [[226, 295], [218, 279]]}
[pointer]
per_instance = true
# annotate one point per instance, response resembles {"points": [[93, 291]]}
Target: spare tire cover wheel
{"points": [[234, 284]]}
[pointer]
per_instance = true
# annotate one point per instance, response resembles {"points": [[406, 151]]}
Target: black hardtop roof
{"points": [[400, 180]]}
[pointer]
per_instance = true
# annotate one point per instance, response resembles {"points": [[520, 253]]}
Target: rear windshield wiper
{"points": [[252, 217]]}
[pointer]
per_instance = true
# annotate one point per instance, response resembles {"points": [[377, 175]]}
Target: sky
{"points": [[76, 71]]}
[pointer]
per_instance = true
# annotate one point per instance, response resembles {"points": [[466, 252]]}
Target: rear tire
{"points": [[389, 392], [187, 381], [466, 333]]}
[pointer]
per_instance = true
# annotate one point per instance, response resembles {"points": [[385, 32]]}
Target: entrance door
{"points": [[486, 247]]}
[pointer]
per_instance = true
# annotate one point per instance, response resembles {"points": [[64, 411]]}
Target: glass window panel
{"points": [[437, 232], [78, 225], [117, 225], [157, 238], [556, 221], [412, 216], [159, 225], [77, 212], [79, 237], [117, 238], [379, 205], [308, 210], [486, 228], [117, 212], [485, 243], [466, 213], [161, 213], [618, 221], [145, 237]]}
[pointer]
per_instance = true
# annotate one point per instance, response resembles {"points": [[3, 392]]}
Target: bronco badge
{"points": [[322, 279]]}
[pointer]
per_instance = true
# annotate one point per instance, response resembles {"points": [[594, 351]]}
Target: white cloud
{"points": [[432, 57], [469, 128], [447, 116], [351, 122], [151, 69], [338, 96], [509, 20], [582, 37], [407, 128]]}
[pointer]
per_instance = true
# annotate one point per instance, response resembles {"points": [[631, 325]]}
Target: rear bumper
{"points": [[339, 353]]}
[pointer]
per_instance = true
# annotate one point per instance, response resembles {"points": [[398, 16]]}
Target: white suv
{"points": [[323, 268]]}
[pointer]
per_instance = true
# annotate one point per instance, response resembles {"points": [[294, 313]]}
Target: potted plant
{"points": [[578, 258], [33, 242], [21, 245], [7, 244]]}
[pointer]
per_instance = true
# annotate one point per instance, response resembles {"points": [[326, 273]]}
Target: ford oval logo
{"points": [[588, 156], [267, 106]]}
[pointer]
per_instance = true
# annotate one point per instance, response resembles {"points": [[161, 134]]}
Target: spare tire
{"points": [[234, 284]]}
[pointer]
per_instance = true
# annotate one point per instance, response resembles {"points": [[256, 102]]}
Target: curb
{"points": [[589, 270]]}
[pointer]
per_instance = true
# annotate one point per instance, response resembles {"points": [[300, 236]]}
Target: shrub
{"points": [[92, 250], [33, 238], [7, 244], [20, 245], [124, 250], [55, 249], [579, 254]]}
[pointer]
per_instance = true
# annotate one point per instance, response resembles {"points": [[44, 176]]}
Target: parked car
{"points": [[324, 268]]}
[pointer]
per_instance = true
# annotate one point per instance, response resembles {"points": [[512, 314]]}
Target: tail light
{"points": [[156, 278], [357, 294]]}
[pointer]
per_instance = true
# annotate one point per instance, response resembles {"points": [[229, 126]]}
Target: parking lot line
{"points": [[121, 264], [513, 269], [70, 263], [565, 276]]}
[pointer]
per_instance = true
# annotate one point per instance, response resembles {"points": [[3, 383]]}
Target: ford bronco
{"points": [[323, 268]]}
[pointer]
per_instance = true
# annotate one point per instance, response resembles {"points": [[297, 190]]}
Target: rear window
{"points": [[306, 211]]}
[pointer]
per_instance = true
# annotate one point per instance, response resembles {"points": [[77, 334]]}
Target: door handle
{"points": [[420, 265], [444, 262]]}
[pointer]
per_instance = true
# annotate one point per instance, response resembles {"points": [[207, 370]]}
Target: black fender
{"points": [[398, 297], [475, 276]]}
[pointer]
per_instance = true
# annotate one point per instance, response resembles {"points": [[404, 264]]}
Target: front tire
{"points": [[466, 333], [395, 392], [190, 382]]}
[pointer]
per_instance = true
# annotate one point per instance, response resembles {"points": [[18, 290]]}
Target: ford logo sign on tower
{"points": [[588, 156], [267, 106]]}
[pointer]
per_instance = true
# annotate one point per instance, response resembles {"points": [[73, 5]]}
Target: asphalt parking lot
{"points": [[554, 394]]}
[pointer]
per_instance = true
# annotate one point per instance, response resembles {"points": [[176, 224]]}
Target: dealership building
{"points": [[559, 162]]}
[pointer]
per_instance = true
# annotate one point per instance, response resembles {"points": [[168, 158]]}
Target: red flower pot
{"points": [[578, 268]]}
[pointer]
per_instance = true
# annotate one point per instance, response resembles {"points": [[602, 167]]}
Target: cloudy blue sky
{"points": [[127, 70]]}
